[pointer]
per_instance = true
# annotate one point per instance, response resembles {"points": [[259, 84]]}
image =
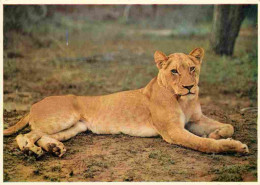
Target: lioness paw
{"points": [[223, 132], [56, 149], [244, 149], [230, 145], [33, 151]]}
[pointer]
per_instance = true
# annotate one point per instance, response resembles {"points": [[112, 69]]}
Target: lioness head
{"points": [[179, 72]]}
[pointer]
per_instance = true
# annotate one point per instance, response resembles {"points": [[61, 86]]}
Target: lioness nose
{"points": [[188, 87]]}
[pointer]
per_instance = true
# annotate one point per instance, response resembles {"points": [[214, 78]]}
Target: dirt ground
{"points": [[32, 73], [92, 157]]}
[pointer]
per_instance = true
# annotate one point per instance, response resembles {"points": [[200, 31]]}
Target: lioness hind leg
{"points": [[210, 128], [26, 143], [71, 132], [52, 145]]}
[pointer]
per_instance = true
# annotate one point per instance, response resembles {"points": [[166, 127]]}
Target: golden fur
{"points": [[168, 106]]}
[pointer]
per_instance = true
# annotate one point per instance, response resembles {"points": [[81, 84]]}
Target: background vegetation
{"points": [[47, 26]]}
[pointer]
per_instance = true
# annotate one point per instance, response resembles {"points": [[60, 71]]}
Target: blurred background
{"points": [[102, 49]]}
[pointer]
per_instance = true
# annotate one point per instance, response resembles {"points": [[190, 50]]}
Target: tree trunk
{"points": [[226, 25], [127, 13], [154, 11]]}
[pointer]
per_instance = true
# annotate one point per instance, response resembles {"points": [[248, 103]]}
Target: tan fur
{"points": [[163, 107], [18, 126]]}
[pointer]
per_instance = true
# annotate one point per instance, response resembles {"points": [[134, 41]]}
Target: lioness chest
{"points": [[189, 107]]}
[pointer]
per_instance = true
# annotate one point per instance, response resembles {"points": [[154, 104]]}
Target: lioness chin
{"points": [[168, 106]]}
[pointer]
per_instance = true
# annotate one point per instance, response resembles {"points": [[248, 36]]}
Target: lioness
{"points": [[168, 106]]}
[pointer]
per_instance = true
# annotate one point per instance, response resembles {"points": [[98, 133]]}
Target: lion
{"points": [[167, 106]]}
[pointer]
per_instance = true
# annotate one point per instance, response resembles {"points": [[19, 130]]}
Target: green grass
{"points": [[162, 157], [232, 75], [95, 167], [233, 173]]}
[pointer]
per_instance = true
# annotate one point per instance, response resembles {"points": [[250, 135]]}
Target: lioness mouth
{"points": [[188, 94]]}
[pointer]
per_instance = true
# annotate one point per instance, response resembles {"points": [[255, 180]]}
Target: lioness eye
{"points": [[192, 69], [174, 71]]}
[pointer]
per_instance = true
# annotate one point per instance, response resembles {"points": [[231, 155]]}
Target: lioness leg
{"points": [[71, 132], [210, 128], [183, 137], [26, 142], [51, 145]]}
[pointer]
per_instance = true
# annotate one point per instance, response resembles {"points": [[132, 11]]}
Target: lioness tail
{"points": [[18, 126]]}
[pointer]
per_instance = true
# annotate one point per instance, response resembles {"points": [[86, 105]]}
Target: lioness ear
{"points": [[159, 58], [198, 53]]}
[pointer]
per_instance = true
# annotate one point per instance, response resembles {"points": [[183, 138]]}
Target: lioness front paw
{"points": [[230, 145], [223, 132], [244, 149]]}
